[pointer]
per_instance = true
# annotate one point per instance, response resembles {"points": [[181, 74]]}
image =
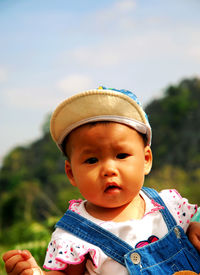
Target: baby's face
{"points": [[108, 163]]}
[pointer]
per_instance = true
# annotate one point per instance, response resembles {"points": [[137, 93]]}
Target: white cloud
{"points": [[117, 53], [3, 74], [194, 52], [125, 6], [122, 38], [149, 47], [97, 55], [29, 98], [114, 18], [119, 8], [75, 83], [193, 49], [45, 98]]}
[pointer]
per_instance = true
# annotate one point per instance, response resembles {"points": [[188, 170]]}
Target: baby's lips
{"points": [[111, 185]]}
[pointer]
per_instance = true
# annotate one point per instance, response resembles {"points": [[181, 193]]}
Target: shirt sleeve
{"points": [[179, 207], [64, 248]]}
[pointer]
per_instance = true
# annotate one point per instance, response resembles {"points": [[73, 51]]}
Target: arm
{"points": [[19, 262], [193, 233]]}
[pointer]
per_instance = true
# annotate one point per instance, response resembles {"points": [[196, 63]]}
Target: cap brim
{"points": [[95, 105]]}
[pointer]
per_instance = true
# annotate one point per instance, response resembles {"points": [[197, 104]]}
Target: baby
{"points": [[121, 227]]}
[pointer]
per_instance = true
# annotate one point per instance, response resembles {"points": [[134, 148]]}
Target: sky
{"points": [[50, 50]]}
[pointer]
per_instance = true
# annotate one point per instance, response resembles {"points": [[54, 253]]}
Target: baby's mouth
{"points": [[112, 187]]}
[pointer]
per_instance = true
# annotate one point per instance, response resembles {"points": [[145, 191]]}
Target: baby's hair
{"points": [[92, 124]]}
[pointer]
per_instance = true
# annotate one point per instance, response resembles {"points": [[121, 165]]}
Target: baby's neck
{"points": [[132, 210]]}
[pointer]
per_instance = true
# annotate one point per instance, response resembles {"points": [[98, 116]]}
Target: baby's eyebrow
{"points": [[87, 151]]}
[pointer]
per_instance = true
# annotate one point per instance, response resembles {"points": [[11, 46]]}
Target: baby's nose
{"points": [[110, 173], [109, 170]]}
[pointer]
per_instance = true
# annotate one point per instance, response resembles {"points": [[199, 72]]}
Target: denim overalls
{"points": [[168, 255]]}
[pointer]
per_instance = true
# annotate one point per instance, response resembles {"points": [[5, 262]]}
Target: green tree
{"points": [[174, 119]]}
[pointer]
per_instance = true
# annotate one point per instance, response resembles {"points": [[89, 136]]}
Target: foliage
{"points": [[174, 120], [171, 177], [24, 232]]}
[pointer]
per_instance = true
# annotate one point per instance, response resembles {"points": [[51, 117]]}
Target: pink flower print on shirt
{"points": [[151, 239]]}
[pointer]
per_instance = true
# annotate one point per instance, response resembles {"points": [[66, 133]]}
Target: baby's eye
{"points": [[122, 155], [91, 160]]}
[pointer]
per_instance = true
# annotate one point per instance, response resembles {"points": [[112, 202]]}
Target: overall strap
{"points": [[167, 216], [90, 232]]}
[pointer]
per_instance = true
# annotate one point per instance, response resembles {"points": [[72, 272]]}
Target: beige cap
{"points": [[98, 105]]}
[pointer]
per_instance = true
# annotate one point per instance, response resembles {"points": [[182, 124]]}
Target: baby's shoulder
{"points": [[180, 208], [76, 205], [170, 195]]}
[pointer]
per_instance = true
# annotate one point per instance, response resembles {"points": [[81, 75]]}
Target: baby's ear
{"points": [[69, 172], [148, 160]]}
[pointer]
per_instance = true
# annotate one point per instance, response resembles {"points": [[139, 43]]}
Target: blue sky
{"points": [[51, 49]]}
